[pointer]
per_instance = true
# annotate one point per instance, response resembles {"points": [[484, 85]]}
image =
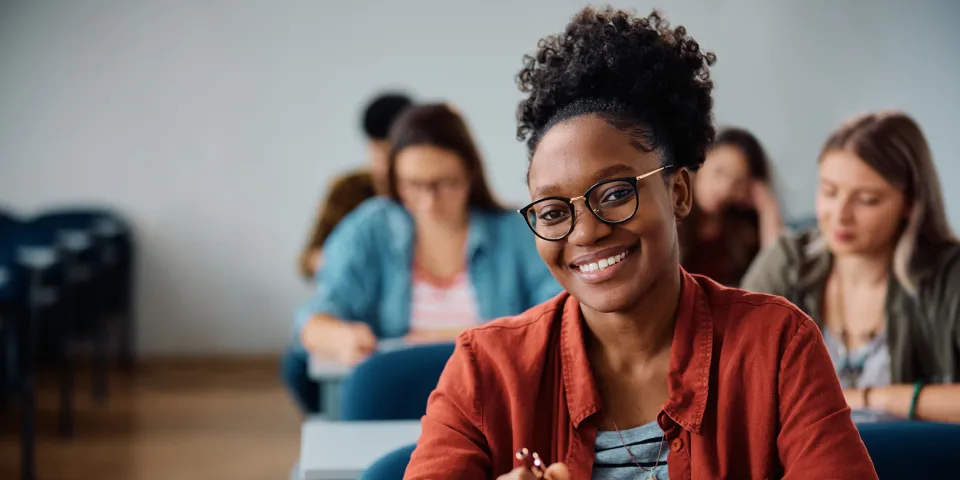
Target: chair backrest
{"points": [[391, 466], [394, 385], [912, 449]]}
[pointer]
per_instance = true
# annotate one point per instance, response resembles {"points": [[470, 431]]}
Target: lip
{"points": [[599, 255], [593, 277], [843, 236]]}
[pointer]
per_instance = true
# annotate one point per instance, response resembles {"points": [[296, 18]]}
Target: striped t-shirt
{"points": [[612, 462], [438, 305]]}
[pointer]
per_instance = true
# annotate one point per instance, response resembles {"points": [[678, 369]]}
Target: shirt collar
{"points": [[688, 379]]}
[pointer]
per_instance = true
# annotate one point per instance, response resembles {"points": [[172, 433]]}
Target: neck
{"points": [[644, 332], [863, 269], [451, 225]]}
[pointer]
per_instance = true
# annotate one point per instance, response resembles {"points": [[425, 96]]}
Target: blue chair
{"points": [[394, 385], [17, 368], [912, 449], [391, 466]]}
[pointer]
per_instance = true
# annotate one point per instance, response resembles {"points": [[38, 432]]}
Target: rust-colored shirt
{"points": [[752, 394]]}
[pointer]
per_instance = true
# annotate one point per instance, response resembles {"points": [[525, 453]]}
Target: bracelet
{"points": [[912, 413], [866, 397]]}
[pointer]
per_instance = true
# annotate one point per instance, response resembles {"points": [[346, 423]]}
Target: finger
{"points": [[519, 473], [557, 471], [364, 334]]}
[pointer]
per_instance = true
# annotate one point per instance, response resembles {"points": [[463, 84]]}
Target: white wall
{"points": [[215, 125]]}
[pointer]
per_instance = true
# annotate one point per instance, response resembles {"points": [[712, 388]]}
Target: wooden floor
{"points": [[224, 419]]}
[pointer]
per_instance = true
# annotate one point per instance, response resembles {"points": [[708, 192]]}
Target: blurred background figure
{"points": [[438, 256], [881, 275], [735, 213], [352, 189]]}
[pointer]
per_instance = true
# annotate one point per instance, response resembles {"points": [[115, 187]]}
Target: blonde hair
{"points": [[893, 145]]}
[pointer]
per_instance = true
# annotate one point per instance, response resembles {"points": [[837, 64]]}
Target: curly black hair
{"points": [[645, 78]]}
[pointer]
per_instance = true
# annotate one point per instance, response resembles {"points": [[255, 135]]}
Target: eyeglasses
{"points": [[441, 186], [612, 201]]}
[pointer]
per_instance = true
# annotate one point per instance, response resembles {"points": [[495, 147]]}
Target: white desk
{"points": [[330, 374], [331, 450]]}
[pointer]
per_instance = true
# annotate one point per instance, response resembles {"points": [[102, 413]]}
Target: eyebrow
{"points": [[602, 174], [875, 190]]}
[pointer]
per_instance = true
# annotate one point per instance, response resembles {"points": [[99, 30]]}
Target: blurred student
{"points": [[352, 189], [735, 212], [438, 256], [881, 276]]}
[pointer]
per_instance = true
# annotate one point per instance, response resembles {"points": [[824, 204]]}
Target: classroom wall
{"points": [[216, 125]]}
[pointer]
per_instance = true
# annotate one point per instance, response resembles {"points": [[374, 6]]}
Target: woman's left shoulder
{"points": [[744, 314]]}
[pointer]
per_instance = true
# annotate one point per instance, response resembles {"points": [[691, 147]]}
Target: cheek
{"points": [[880, 222], [550, 252]]}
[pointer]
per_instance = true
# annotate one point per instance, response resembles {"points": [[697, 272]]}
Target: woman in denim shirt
{"points": [[438, 257]]}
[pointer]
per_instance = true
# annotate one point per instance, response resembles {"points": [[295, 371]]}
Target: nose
{"points": [[845, 212], [587, 228]]}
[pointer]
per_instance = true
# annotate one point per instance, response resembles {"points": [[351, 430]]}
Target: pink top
{"points": [[442, 305]]}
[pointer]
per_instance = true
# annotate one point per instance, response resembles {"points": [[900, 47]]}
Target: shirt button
{"points": [[676, 444]]}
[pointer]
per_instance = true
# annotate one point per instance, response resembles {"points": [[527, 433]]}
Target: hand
{"points": [[355, 342], [347, 342], [761, 197], [557, 471]]}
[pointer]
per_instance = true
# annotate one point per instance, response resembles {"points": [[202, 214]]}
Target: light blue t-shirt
{"points": [[367, 268], [612, 462]]}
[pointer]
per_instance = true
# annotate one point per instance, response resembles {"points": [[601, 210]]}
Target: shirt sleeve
{"points": [[817, 437], [943, 303], [452, 444], [348, 281], [770, 271]]}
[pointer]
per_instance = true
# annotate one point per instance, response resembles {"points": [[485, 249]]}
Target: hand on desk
{"points": [[557, 471], [347, 342]]}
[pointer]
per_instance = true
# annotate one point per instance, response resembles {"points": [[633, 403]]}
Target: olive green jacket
{"points": [[923, 330]]}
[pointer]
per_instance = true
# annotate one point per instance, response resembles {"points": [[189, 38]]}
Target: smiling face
{"points": [[608, 268]]}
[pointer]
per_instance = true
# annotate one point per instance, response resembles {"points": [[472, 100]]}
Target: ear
{"points": [[681, 189]]}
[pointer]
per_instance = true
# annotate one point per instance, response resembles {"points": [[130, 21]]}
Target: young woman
{"points": [[881, 276], [640, 370], [436, 257], [735, 212]]}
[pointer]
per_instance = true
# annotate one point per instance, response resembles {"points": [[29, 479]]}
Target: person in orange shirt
{"points": [[639, 369]]}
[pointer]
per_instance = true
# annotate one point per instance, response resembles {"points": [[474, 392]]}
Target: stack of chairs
{"points": [[66, 279]]}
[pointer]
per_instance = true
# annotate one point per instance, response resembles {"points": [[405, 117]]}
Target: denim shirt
{"points": [[366, 274]]}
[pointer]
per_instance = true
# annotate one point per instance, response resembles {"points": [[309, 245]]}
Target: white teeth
{"points": [[602, 264]]}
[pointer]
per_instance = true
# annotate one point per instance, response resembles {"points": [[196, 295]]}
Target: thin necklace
{"points": [[653, 475]]}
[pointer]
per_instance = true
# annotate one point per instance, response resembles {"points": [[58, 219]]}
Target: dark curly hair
{"points": [[643, 77]]}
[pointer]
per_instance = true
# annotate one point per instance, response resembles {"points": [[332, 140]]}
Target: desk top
{"points": [[332, 450]]}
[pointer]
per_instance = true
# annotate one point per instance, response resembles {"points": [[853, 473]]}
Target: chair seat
{"points": [[912, 449]]}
